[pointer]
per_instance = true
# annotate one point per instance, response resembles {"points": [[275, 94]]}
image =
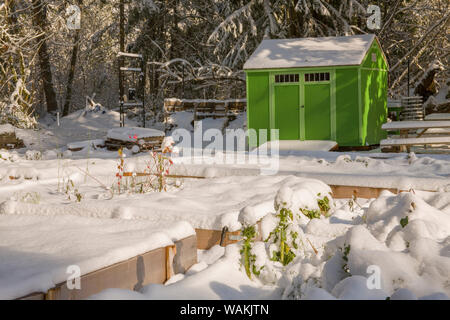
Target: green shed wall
{"points": [[258, 89], [374, 87], [374, 105], [347, 107]]}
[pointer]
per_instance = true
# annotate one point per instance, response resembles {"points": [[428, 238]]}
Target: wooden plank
{"points": [[348, 192], [170, 254], [410, 125], [438, 117], [206, 239], [156, 266], [186, 254], [415, 141], [131, 274]]}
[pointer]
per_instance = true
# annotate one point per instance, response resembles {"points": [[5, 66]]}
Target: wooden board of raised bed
{"points": [[156, 266], [206, 239]]}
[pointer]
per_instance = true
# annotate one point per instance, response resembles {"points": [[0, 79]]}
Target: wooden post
{"points": [[183, 81], [195, 111], [171, 251], [121, 61]]}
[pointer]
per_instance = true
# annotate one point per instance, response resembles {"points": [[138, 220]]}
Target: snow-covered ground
{"points": [[69, 197], [413, 261]]}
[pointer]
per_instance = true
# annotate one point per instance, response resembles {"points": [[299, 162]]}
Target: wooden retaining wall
{"points": [[156, 266]]}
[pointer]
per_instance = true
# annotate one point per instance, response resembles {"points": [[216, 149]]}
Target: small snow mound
{"points": [[123, 213], [7, 128], [230, 220], [403, 294], [248, 217], [210, 172], [50, 155], [283, 198], [8, 207], [196, 268], [176, 278], [314, 293], [436, 296], [355, 288], [212, 255]]}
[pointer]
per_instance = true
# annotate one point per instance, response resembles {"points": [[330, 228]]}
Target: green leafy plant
{"points": [[404, 222], [311, 214], [324, 209], [285, 255], [324, 205], [249, 234]]}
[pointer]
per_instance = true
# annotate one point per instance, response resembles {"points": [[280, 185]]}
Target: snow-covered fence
{"points": [[206, 108]]}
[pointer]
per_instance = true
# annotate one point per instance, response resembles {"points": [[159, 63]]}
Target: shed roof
{"points": [[310, 52]]}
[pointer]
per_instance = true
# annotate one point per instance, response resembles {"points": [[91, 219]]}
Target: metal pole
{"points": [[408, 76], [142, 85], [183, 80], [121, 61]]}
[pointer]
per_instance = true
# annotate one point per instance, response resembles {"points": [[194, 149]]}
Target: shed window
{"points": [[286, 78], [317, 77]]}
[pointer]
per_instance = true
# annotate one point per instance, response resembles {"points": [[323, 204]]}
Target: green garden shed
{"points": [[332, 88]]}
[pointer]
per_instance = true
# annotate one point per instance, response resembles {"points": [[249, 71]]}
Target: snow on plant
{"points": [[71, 190], [286, 234], [33, 155], [247, 217], [323, 208], [6, 156], [29, 197]]}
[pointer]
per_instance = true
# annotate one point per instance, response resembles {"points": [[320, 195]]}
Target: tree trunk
{"points": [[73, 63], [40, 21]]}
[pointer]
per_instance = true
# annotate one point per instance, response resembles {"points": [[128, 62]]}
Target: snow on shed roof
{"points": [[310, 52]]}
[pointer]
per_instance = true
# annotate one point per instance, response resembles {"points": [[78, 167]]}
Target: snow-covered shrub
{"points": [[29, 197], [5, 155], [17, 109], [33, 155], [405, 238], [284, 238], [152, 178], [70, 189]]}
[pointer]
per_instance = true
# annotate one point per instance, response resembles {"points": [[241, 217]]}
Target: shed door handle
{"points": [[302, 107]]}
